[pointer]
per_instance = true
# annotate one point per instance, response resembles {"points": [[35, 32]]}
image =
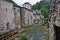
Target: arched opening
{"points": [[7, 26]]}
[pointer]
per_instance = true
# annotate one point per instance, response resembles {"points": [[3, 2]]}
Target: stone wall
{"points": [[54, 19], [7, 14], [38, 17], [17, 16], [27, 15]]}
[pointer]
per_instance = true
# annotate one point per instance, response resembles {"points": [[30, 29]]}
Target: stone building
{"points": [[54, 20], [38, 17], [26, 17], [6, 16], [13, 16], [17, 16], [27, 5]]}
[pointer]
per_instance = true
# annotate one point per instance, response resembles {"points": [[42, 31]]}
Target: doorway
{"points": [[7, 26], [57, 32]]}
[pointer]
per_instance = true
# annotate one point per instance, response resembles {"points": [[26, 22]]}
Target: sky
{"points": [[20, 2]]}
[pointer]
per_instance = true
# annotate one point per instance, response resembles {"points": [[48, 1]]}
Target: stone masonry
{"points": [[7, 16]]}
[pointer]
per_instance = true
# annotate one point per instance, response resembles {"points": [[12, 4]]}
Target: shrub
{"points": [[23, 37]]}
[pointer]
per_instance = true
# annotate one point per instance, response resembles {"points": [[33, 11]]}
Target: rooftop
{"points": [[26, 3]]}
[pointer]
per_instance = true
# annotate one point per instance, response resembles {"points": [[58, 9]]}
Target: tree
{"points": [[44, 7]]}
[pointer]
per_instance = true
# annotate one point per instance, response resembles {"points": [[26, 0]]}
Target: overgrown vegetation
{"points": [[24, 35], [44, 29], [44, 7], [29, 29], [47, 37]]}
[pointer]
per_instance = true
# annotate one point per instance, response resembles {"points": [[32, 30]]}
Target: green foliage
{"points": [[23, 37], [44, 12], [44, 7], [47, 37]]}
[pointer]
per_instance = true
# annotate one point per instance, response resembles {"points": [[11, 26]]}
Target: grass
{"points": [[30, 29], [23, 37], [45, 29], [47, 37]]}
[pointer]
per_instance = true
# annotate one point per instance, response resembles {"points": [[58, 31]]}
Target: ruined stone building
{"points": [[13, 16], [17, 16], [54, 20], [10, 16], [27, 17], [6, 16], [38, 17]]}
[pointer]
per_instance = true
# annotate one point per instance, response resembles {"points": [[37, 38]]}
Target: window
{"points": [[14, 8], [59, 2], [6, 9], [28, 5], [59, 10], [18, 10], [24, 5], [54, 7], [54, 19], [59, 14]]}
